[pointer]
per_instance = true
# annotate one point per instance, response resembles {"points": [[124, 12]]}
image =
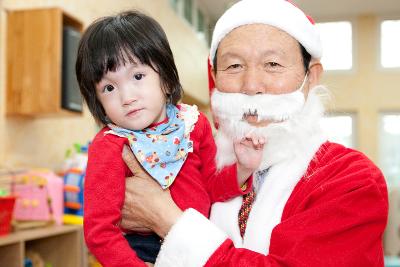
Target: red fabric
{"points": [[211, 83], [211, 86], [335, 216], [196, 186]]}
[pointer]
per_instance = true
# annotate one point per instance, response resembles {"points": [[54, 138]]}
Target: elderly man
{"points": [[316, 203]]}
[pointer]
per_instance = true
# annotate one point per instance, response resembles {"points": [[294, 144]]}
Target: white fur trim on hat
{"points": [[278, 13]]}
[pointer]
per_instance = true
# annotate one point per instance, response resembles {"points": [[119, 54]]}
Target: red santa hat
{"points": [[281, 14]]}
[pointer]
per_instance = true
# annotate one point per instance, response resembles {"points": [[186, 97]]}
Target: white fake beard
{"points": [[293, 122]]}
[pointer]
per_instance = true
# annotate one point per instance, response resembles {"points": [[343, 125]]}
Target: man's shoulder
{"points": [[330, 153], [337, 170], [338, 161]]}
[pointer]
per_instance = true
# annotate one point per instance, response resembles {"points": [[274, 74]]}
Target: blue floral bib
{"points": [[162, 149]]}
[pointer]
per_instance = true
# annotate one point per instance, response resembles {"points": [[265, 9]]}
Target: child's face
{"points": [[132, 97]]}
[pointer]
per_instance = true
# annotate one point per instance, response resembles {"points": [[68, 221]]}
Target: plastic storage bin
{"points": [[6, 212]]}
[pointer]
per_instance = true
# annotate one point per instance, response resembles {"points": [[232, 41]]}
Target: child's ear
{"points": [[167, 93]]}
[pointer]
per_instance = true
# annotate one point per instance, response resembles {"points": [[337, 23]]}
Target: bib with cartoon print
{"points": [[163, 149]]}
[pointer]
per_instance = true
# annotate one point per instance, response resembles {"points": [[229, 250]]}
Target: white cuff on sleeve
{"points": [[190, 242]]}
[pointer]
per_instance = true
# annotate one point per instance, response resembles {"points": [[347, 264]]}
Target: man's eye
{"points": [[272, 64], [234, 66], [108, 88], [138, 76]]}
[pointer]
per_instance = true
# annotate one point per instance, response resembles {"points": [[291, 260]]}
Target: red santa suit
{"points": [[320, 204], [335, 216]]}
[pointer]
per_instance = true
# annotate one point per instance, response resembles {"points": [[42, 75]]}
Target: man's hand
{"points": [[249, 153], [147, 205]]}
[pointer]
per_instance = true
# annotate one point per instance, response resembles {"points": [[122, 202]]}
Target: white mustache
{"points": [[238, 106], [282, 137]]}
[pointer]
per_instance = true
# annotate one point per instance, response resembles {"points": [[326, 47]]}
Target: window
{"points": [[200, 21], [389, 147], [339, 129], [390, 44], [336, 38], [188, 9], [174, 4]]}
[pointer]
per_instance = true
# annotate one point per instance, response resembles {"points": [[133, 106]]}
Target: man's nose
{"points": [[253, 82]]}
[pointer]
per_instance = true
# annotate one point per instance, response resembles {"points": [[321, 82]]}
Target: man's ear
{"points": [[315, 73]]}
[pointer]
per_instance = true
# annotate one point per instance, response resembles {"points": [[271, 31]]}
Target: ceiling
{"points": [[321, 9]]}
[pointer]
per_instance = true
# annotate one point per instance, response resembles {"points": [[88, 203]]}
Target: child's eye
{"points": [[108, 88], [138, 76]]}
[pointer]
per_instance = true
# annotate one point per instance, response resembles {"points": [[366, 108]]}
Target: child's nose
{"points": [[128, 97]]}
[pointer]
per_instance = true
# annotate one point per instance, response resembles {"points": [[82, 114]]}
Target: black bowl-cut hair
{"points": [[112, 41]]}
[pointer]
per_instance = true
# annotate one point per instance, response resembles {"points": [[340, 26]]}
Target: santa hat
{"points": [[281, 14]]}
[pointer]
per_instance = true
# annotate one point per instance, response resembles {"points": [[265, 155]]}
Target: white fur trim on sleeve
{"points": [[190, 242]]}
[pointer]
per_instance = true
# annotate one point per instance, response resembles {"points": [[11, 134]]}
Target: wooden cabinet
{"points": [[61, 246], [34, 60]]}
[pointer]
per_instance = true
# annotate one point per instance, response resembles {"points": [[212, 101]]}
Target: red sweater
{"points": [[196, 186]]}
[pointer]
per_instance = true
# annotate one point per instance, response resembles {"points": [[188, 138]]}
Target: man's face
{"points": [[257, 59]]}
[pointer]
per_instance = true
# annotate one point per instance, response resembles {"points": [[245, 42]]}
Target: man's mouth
{"points": [[252, 114], [251, 117]]}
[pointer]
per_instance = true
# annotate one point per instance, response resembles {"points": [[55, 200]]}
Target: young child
{"points": [[127, 76]]}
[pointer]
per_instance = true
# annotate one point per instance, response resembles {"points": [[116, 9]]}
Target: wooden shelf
{"points": [[62, 246], [34, 61]]}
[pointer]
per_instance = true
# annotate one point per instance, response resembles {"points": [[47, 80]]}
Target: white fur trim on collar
{"points": [[287, 155], [270, 201], [278, 13]]}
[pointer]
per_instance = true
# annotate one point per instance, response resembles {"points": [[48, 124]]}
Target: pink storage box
{"points": [[39, 196]]}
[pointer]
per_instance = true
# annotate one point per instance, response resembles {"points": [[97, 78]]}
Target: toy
{"points": [[74, 176], [33, 259], [73, 196], [6, 178], [39, 196]]}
